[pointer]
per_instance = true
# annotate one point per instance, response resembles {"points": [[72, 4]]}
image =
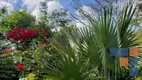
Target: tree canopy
{"points": [[19, 19]]}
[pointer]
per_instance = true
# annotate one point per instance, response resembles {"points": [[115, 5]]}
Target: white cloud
{"points": [[32, 4], [53, 5], [9, 1], [6, 4], [36, 12], [83, 22], [33, 7]]}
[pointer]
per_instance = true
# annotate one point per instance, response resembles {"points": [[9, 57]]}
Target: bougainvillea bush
{"points": [[26, 40], [20, 34]]}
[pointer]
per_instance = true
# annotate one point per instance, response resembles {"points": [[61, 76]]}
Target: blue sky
{"points": [[67, 4], [26, 4], [32, 6]]}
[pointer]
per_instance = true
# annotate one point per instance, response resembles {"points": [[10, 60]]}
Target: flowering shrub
{"points": [[20, 34], [20, 66], [42, 32], [7, 51]]}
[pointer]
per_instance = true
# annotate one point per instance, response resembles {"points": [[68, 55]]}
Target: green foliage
{"points": [[19, 19], [3, 12], [104, 33], [94, 41], [43, 18], [76, 53], [52, 78], [61, 61], [31, 76], [127, 35], [7, 68]]}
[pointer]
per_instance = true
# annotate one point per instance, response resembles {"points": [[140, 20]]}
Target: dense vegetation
{"points": [[36, 50]]}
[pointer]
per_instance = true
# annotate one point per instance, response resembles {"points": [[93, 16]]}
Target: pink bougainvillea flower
{"points": [[8, 50], [20, 66]]}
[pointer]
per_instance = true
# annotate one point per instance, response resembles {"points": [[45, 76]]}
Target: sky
{"points": [[32, 6]]}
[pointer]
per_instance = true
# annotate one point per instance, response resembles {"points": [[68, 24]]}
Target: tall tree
{"points": [[59, 17], [43, 12], [43, 17]]}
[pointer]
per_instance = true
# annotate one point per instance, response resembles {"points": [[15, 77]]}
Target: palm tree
{"points": [[77, 52], [64, 62], [104, 33]]}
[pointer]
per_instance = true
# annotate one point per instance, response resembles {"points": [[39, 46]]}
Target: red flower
{"points": [[20, 34], [45, 36], [22, 41], [30, 33], [20, 66], [16, 37]]}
